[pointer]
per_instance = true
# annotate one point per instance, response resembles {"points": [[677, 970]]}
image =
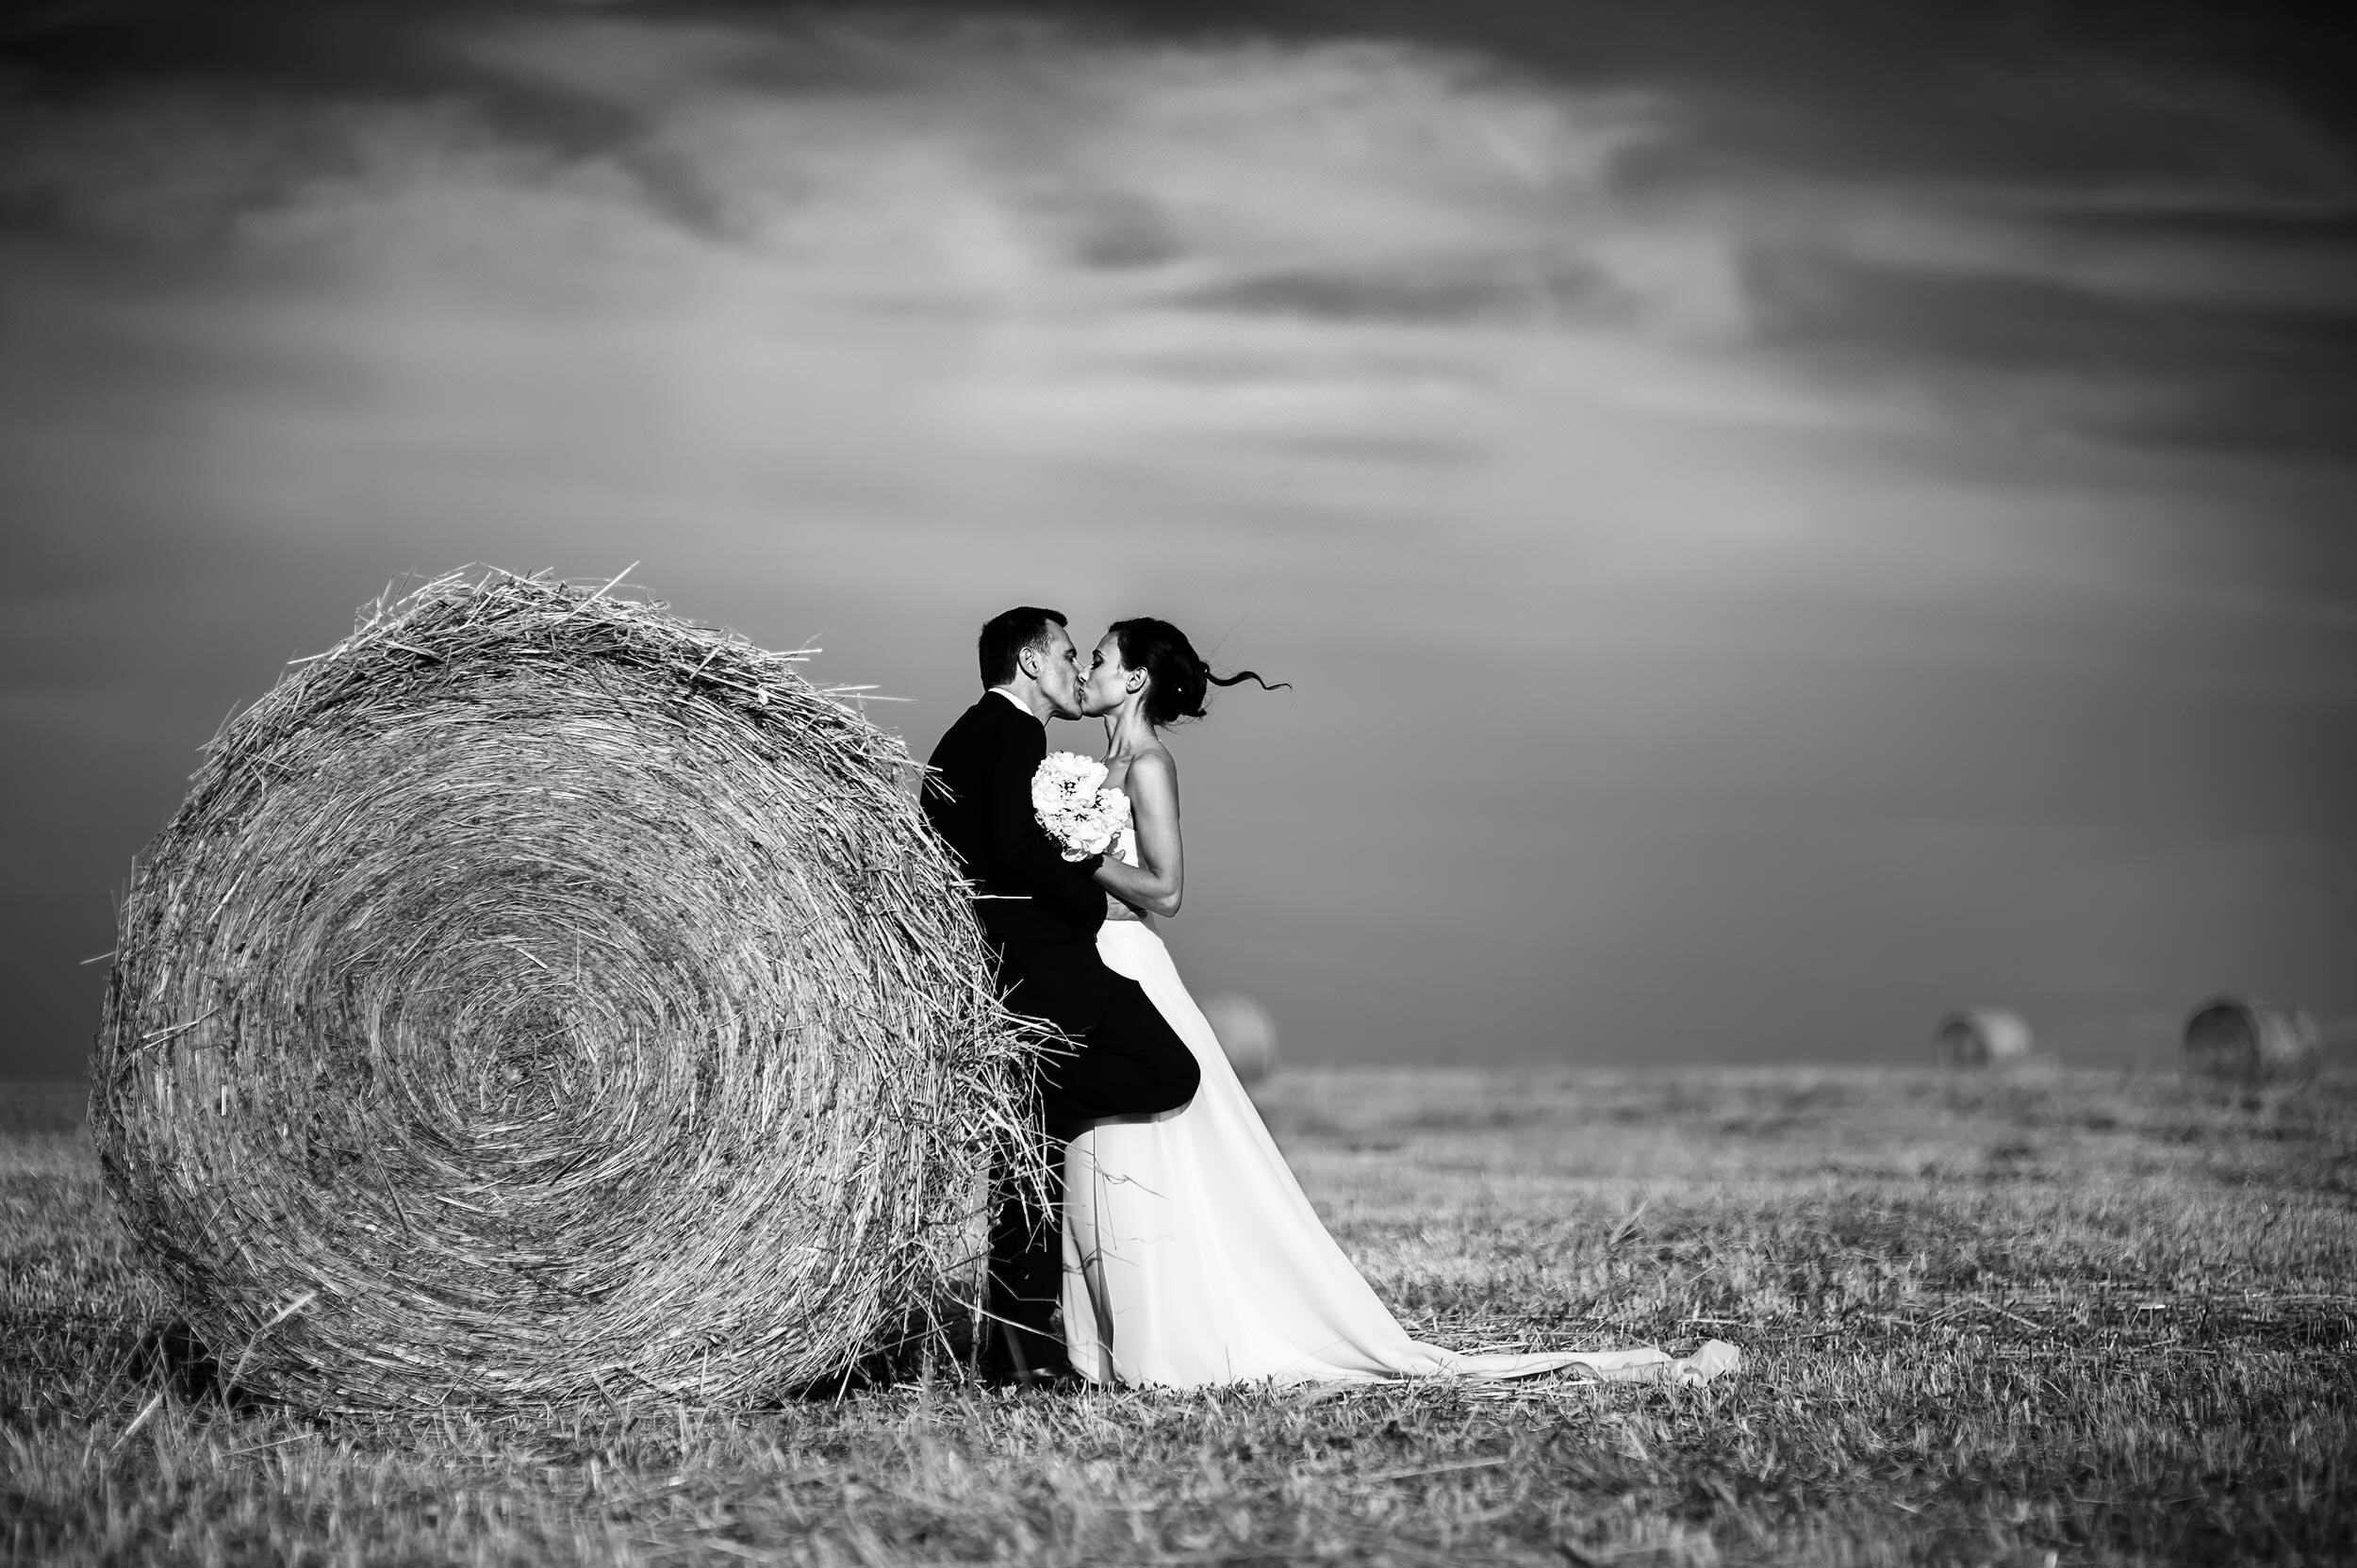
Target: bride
{"points": [[1191, 1254]]}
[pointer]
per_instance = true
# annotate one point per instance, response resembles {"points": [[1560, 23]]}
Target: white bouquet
{"points": [[1069, 797]]}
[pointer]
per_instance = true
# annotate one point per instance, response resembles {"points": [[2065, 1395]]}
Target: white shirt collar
{"points": [[1023, 707]]}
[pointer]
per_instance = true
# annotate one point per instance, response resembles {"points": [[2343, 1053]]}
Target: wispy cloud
{"points": [[2043, 232]]}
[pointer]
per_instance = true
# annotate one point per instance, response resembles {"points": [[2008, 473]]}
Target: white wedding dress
{"points": [[1191, 1256]]}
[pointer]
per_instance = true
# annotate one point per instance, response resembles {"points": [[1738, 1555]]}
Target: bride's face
{"points": [[1106, 685]]}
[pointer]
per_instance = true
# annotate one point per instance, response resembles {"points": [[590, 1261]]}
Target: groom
{"points": [[1039, 915]]}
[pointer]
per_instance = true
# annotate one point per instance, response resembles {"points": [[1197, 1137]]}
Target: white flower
{"points": [[1068, 798], [1063, 780]]}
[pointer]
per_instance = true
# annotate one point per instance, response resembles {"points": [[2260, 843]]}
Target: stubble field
{"points": [[2080, 1318]]}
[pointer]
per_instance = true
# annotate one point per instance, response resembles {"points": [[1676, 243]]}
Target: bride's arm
{"points": [[1153, 885]]}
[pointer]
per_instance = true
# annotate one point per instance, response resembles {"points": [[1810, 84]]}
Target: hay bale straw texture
{"points": [[541, 998], [2250, 1042]]}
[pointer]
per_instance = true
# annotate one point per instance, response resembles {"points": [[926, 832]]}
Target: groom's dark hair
{"points": [[1006, 635]]}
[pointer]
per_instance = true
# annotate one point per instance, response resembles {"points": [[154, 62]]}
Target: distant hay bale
{"points": [[1982, 1037], [2250, 1042], [540, 998], [1246, 1034]]}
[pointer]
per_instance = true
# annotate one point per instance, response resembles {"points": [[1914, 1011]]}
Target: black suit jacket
{"points": [[1038, 911]]}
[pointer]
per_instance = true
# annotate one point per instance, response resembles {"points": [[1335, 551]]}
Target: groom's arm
{"points": [[1023, 859]]}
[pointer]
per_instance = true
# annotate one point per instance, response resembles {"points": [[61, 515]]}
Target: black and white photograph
{"points": [[1257, 782]]}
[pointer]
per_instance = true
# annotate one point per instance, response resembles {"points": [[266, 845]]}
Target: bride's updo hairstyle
{"points": [[1178, 680]]}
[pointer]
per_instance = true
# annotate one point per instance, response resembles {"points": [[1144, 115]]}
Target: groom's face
{"points": [[1059, 672]]}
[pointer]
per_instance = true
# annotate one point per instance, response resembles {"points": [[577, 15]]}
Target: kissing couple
{"points": [[1179, 1246]]}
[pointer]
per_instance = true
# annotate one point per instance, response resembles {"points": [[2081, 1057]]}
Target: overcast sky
{"points": [[1781, 521]]}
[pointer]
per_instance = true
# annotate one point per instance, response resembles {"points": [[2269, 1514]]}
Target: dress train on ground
{"points": [[1192, 1256]]}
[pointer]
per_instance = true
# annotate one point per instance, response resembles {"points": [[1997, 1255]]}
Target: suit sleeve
{"points": [[1023, 858]]}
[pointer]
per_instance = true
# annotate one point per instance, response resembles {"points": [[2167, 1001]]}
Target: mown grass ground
{"points": [[2085, 1318]]}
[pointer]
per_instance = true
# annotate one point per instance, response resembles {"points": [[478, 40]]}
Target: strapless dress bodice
{"points": [[1126, 851]]}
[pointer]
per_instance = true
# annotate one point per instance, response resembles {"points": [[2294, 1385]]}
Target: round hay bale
{"points": [[540, 998], [1982, 1037], [2250, 1042], [1246, 1034]]}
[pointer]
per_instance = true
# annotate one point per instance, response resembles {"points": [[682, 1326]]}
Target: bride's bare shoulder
{"points": [[1152, 771]]}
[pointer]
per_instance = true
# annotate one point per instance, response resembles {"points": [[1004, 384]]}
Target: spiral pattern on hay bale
{"points": [[540, 998]]}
